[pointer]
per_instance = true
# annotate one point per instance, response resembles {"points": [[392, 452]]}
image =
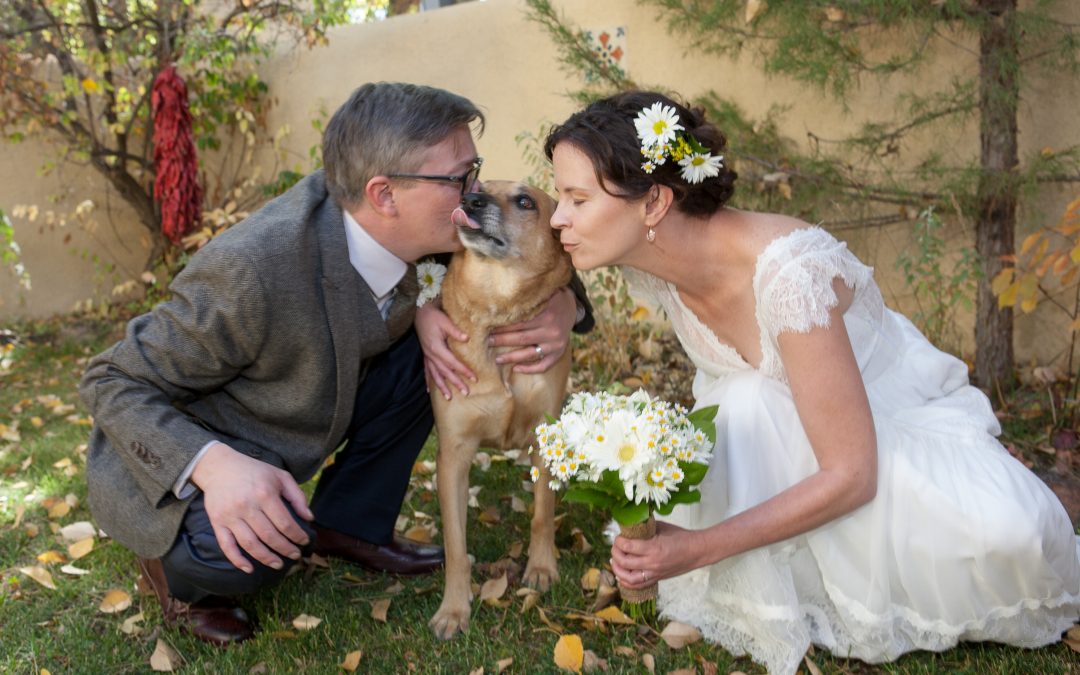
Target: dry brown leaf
{"points": [[548, 622], [477, 671], [569, 653], [613, 614], [623, 650], [581, 544], [1072, 644], [834, 14], [590, 581], [531, 600], [649, 661], [77, 531], [811, 666], [420, 533], [515, 550], [379, 609], [753, 7], [36, 422], [20, 510], [81, 548], [74, 571], [59, 509], [593, 662], [352, 661], [1074, 632], [40, 575], [493, 589], [517, 504], [489, 516], [678, 635], [164, 659], [683, 671], [31, 530], [115, 600], [503, 664], [50, 557], [306, 622], [129, 627]]}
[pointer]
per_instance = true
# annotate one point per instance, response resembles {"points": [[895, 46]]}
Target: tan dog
{"points": [[511, 265]]}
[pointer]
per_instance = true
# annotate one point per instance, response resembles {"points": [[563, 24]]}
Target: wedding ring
{"points": [[539, 352]]}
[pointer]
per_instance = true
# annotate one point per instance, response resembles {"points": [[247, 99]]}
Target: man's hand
{"points": [[549, 330], [434, 328], [245, 500]]}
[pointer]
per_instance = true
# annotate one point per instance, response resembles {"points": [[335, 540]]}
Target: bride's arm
{"points": [[832, 406]]}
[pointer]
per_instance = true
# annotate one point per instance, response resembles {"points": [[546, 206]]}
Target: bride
{"points": [[857, 498]]}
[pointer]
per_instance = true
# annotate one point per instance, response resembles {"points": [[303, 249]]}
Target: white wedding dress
{"points": [[961, 542]]}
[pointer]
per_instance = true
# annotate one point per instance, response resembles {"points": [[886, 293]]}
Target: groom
{"points": [[288, 337]]}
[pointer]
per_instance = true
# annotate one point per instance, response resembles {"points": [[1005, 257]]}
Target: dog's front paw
{"points": [[540, 575], [449, 621]]}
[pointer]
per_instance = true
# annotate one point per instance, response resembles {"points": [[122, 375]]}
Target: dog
{"points": [[510, 266]]}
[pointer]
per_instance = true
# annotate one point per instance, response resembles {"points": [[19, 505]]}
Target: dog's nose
{"points": [[474, 201]]}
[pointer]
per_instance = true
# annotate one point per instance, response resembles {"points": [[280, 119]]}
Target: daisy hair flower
{"points": [[430, 275], [663, 137]]}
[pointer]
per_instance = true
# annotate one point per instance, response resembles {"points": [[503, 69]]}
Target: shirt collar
{"points": [[380, 269]]}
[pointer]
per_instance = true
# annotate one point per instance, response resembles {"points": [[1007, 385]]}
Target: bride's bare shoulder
{"points": [[757, 230]]}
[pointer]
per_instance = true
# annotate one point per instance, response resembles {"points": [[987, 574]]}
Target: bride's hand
{"points": [[641, 562]]}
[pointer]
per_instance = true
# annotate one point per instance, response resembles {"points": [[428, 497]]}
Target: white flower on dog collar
{"points": [[430, 276]]}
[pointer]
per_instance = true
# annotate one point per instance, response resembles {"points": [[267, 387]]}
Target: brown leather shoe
{"points": [[401, 556], [214, 619]]}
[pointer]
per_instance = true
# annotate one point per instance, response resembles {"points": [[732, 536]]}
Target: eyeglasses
{"points": [[466, 179]]}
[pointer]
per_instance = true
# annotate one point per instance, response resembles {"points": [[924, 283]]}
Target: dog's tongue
{"points": [[462, 219]]}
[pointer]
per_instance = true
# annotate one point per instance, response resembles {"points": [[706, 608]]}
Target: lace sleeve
{"points": [[793, 280]]}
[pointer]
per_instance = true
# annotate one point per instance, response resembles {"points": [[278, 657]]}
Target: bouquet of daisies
{"points": [[632, 455]]}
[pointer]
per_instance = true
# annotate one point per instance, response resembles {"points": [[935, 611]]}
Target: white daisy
{"points": [[698, 166], [657, 125], [430, 275]]}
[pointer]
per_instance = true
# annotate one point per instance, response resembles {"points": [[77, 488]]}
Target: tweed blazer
{"points": [[261, 346]]}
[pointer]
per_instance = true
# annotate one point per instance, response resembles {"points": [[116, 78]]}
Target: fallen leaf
{"points": [[531, 598], [489, 516], [395, 588], [50, 557], [36, 422], [581, 544], [569, 653], [515, 550], [74, 571], [811, 666], [81, 548], [20, 510], [649, 661], [503, 664], [259, 668], [60, 464], [379, 608], [40, 575], [420, 533], [306, 622], [164, 659], [752, 9], [59, 510], [116, 600], [613, 614], [493, 589], [623, 650], [678, 635], [517, 504], [129, 627], [683, 671], [593, 662], [590, 581], [352, 661], [77, 531], [477, 671]]}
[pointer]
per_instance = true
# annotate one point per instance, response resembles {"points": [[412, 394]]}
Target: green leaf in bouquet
{"points": [[629, 514], [693, 472], [587, 493], [704, 420], [683, 497], [612, 484]]}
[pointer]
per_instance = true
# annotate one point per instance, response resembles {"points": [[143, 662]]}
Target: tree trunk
{"points": [[995, 208]]}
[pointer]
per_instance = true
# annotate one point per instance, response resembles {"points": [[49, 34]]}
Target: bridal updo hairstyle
{"points": [[605, 132]]}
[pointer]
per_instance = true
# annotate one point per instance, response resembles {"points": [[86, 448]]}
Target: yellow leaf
{"points": [[493, 589], [1007, 298], [1002, 280], [59, 510], [81, 548], [40, 575], [834, 13], [164, 659], [379, 609], [420, 533], [89, 86], [613, 614], [306, 622], [1028, 305], [36, 422], [785, 190], [590, 581], [116, 600], [640, 313], [531, 598], [678, 635], [569, 653], [1075, 254], [753, 7], [352, 661], [1030, 241], [50, 557]]}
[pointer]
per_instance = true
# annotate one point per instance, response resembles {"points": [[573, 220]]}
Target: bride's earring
{"points": [[650, 236]]}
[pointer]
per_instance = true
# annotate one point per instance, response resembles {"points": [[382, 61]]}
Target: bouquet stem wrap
{"points": [[643, 530]]}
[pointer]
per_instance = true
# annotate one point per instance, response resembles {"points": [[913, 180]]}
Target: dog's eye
{"points": [[526, 202]]}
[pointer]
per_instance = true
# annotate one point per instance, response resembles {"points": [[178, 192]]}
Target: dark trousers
{"points": [[360, 494]]}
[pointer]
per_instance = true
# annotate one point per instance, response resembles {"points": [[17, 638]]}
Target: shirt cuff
{"points": [[183, 487]]}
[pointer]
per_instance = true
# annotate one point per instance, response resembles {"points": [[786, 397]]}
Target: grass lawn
{"points": [[43, 430]]}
